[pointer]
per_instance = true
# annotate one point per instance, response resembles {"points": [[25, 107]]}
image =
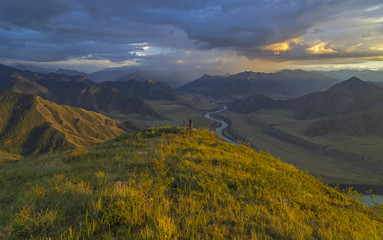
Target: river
{"points": [[223, 124], [370, 202]]}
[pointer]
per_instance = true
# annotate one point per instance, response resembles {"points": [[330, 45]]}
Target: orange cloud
{"points": [[277, 48], [318, 47]]}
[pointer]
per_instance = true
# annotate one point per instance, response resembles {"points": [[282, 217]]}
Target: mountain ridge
{"points": [[283, 84], [348, 96]]}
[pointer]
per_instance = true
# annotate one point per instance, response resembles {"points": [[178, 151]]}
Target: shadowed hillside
{"points": [[146, 89], [30, 124], [168, 77], [346, 97], [254, 103], [361, 123], [174, 184]]}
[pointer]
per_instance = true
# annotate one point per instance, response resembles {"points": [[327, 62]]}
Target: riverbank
{"points": [[223, 124]]}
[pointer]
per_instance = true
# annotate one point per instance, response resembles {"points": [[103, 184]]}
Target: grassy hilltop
{"points": [[171, 183]]}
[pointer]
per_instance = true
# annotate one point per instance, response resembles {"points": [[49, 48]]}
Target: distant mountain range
{"points": [[354, 107], [30, 124], [125, 74], [32, 68], [146, 89], [79, 91], [172, 78], [368, 75], [72, 73], [283, 84]]}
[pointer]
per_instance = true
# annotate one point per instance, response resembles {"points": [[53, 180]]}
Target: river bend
{"points": [[223, 124]]}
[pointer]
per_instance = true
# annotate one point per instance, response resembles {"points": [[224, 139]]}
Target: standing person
{"points": [[190, 123]]}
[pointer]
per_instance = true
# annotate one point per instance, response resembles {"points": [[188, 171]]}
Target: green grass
{"points": [[170, 183]]}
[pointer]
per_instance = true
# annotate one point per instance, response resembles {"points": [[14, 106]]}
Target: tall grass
{"points": [[171, 183]]}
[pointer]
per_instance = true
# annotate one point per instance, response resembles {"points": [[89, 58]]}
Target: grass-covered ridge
{"points": [[172, 183]]}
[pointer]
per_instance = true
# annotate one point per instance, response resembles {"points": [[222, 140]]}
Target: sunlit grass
{"points": [[170, 183]]}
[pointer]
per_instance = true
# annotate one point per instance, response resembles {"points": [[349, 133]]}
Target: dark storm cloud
{"points": [[53, 30], [31, 14]]}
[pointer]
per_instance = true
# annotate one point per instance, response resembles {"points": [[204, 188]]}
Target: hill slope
{"points": [[30, 124], [254, 103], [362, 123], [170, 183]]}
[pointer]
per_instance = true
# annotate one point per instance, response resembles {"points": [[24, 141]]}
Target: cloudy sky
{"points": [[213, 36]]}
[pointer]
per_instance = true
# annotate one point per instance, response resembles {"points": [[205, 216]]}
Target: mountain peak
{"points": [[355, 79], [352, 83]]}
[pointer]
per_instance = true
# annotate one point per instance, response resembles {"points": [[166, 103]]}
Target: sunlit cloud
{"points": [[377, 48], [337, 65], [279, 47], [144, 49], [318, 47], [353, 48], [80, 64], [374, 8]]}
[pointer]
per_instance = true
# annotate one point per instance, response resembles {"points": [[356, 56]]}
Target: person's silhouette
{"points": [[191, 123]]}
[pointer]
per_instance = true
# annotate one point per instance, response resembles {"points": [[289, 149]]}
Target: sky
{"points": [[207, 36]]}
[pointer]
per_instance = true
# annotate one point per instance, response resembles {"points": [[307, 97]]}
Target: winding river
{"points": [[223, 124]]}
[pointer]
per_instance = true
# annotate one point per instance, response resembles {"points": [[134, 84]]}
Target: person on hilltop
{"points": [[190, 123]]}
